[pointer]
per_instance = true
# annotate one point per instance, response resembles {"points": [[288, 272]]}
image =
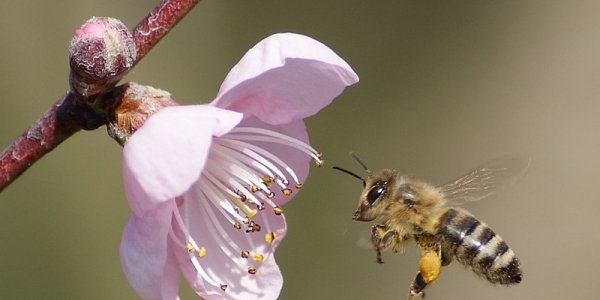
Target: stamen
{"points": [[268, 179], [262, 154], [242, 153], [266, 135], [202, 252], [245, 254], [251, 270], [240, 170], [277, 210], [247, 210], [214, 226], [193, 258], [175, 239], [190, 248], [258, 257], [212, 169], [270, 237], [209, 190]]}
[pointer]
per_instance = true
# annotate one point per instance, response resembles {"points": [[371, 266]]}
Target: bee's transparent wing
{"points": [[489, 178]]}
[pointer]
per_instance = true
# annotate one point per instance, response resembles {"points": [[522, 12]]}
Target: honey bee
{"points": [[411, 209]]}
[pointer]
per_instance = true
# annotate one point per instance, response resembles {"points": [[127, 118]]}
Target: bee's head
{"points": [[376, 193], [375, 189]]}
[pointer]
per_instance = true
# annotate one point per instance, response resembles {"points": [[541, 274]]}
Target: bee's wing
{"points": [[485, 180]]}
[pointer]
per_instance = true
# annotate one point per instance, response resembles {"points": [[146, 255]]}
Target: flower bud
{"points": [[134, 104], [100, 53]]}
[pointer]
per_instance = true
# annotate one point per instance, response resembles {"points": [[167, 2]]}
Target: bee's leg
{"points": [[382, 237], [430, 266]]}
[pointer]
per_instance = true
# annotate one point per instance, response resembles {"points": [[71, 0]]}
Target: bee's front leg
{"points": [[430, 266], [382, 237]]}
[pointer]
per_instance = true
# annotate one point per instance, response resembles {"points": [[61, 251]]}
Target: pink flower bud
{"points": [[100, 53]]}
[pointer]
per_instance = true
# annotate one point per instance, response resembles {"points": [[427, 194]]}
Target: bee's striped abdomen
{"points": [[476, 246]]}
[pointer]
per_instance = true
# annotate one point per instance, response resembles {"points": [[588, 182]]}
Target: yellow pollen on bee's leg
{"points": [[247, 210], [270, 237], [430, 266]]}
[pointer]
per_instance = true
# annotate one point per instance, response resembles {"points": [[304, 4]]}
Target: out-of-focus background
{"points": [[444, 87]]}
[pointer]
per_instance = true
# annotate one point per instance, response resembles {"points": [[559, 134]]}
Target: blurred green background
{"points": [[445, 86]]}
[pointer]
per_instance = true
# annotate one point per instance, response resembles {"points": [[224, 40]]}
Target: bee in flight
{"points": [[411, 209]]}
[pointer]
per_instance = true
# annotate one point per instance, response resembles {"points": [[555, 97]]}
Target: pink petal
{"points": [[284, 78], [149, 267], [223, 262], [166, 155]]}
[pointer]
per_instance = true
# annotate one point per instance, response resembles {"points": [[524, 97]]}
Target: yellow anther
{"points": [[245, 254], [277, 210], [237, 225], [267, 179], [286, 191], [251, 270], [190, 248], [258, 257], [202, 252], [270, 237], [223, 287], [254, 188], [298, 185]]}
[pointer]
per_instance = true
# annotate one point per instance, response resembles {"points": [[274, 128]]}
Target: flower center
{"points": [[223, 212]]}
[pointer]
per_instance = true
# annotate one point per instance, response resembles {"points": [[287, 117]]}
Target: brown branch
{"points": [[68, 115], [158, 23]]}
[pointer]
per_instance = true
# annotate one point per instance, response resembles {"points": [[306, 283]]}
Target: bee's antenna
{"points": [[350, 173], [360, 162]]}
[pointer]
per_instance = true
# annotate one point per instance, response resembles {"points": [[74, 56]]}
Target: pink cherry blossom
{"points": [[206, 182]]}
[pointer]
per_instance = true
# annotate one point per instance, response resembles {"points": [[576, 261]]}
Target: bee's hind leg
{"points": [[430, 266]]}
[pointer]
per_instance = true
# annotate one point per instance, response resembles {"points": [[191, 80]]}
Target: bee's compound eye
{"points": [[375, 192]]}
